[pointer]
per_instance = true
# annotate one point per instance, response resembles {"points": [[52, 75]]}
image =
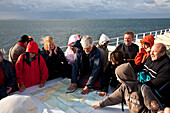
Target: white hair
{"points": [[86, 41]]}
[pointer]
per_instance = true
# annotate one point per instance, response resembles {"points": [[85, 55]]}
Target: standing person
{"points": [[139, 98], [144, 50], [31, 68], [54, 58], [116, 58], [157, 66], [70, 51], [18, 49], [128, 48], [87, 67], [7, 76], [102, 46]]}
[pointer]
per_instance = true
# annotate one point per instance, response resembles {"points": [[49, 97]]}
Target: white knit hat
{"points": [[73, 38], [18, 104], [103, 39]]}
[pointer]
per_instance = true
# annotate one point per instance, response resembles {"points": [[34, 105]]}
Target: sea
{"points": [[62, 29]]}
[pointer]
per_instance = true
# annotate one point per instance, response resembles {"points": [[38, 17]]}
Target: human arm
{"points": [[43, 71], [113, 99], [19, 70]]}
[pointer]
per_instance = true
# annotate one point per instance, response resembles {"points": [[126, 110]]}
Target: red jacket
{"points": [[33, 74], [141, 57]]}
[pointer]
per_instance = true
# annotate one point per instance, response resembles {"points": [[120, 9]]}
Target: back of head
{"points": [[103, 39], [72, 39], [148, 39], [125, 72], [86, 41], [24, 39], [32, 47], [18, 104], [117, 56], [46, 41]]}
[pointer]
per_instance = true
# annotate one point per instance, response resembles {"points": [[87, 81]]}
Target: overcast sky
{"points": [[75, 9]]}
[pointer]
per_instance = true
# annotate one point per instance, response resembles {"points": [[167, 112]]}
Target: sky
{"points": [[80, 9]]}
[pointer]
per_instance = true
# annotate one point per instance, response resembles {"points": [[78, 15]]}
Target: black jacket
{"points": [[9, 73]]}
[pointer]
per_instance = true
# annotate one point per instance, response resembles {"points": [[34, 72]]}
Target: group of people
{"points": [[136, 72]]}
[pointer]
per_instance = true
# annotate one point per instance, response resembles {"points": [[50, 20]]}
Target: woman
{"points": [[54, 58]]}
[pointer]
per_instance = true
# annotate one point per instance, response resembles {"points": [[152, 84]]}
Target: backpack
{"points": [[140, 86]]}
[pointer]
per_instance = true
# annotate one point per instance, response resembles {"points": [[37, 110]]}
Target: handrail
{"points": [[117, 40]]}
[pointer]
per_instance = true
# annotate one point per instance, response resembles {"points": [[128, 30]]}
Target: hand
{"points": [[22, 88], [141, 48], [102, 94], [9, 89], [96, 106], [72, 86], [85, 90], [41, 85]]}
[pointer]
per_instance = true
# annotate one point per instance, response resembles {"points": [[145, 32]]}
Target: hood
{"points": [[72, 39], [149, 39], [126, 73], [103, 39], [32, 47]]}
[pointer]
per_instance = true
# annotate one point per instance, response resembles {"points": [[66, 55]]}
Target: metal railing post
{"points": [[156, 34], [161, 32], [143, 35], [117, 43], [136, 37]]}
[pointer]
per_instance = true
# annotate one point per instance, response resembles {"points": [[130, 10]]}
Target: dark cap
{"points": [[24, 39]]}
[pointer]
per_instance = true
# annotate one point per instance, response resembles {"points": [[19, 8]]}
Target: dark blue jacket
{"points": [[9, 73], [96, 65]]}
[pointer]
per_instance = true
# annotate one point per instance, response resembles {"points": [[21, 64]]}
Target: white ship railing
{"points": [[117, 40]]}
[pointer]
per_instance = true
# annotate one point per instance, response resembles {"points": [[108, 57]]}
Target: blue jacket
{"points": [[96, 64]]}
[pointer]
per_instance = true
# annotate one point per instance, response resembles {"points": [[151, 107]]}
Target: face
{"points": [[87, 50], [73, 49], [31, 54], [51, 46], [145, 45], [156, 52], [114, 62], [128, 39]]}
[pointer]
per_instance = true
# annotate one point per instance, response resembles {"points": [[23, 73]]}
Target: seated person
{"points": [[157, 67], [128, 48], [70, 51], [102, 46], [54, 58], [31, 68], [87, 67], [7, 76], [116, 58], [144, 50], [138, 97], [18, 49]]}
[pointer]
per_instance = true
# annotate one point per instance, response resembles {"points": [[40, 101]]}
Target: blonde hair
{"points": [[46, 41]]}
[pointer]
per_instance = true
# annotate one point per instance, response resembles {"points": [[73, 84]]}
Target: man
{"points": [[18, 49], [87, 67], [7, 76], [138, 97], [157, 66], [128, 48], [31, 68]]}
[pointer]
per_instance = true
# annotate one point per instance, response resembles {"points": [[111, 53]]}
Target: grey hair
{"points": [[86, 41]]}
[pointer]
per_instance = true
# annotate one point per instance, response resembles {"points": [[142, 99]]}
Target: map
{"points": [[55, 96]]}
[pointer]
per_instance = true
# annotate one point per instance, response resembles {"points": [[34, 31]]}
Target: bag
{"points": [[142, 77]]}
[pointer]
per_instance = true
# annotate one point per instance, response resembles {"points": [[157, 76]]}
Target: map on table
{"points": [[55, 96]]}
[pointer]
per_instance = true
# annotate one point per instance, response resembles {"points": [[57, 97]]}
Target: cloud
{"points": [[81, 8]]}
